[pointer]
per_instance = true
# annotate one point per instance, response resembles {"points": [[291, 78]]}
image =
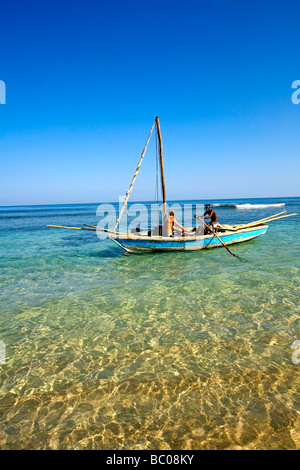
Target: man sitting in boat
{"points": [[169, 226], [212, 215]]}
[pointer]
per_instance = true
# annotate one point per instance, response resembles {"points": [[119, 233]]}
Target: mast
{"points": [[163, 187]]}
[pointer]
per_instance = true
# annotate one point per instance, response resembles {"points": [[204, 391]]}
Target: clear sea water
{"points": [[109, 350]]}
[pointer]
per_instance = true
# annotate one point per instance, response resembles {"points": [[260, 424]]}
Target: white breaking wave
{"points": [[258, 206], [232, 205]]}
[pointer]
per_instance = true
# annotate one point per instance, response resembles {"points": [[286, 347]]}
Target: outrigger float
{"points": [[149, 241]]}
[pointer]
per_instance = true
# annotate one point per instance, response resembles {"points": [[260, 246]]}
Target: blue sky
{"points": [[85, 80]]}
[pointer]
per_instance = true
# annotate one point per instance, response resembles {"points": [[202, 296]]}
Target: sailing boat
{"points": [[157, 240]]}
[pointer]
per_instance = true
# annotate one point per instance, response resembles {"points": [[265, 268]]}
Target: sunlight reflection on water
{"points": [[112, 351]]}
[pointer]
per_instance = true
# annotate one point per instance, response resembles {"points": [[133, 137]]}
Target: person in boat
{"points": [[212, 215], [169, 226]]}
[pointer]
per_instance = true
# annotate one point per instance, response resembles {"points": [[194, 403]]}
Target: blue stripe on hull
{"points": [[198, 244]]}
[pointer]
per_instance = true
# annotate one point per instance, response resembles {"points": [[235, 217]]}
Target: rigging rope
{"points": [[133, 179]]}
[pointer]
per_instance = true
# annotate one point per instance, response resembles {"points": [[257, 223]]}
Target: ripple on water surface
{"points": [[184, 351]]}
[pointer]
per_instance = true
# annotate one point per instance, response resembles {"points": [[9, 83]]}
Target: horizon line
{"points": [[142, 201]]}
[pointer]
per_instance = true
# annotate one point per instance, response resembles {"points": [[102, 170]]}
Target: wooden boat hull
{"points": [[140, 244]]}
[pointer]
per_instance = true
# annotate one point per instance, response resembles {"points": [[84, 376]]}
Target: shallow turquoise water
{"points": [[109, 350]]}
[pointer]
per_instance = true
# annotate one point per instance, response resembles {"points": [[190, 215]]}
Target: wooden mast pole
{"points": [[163, 187]]}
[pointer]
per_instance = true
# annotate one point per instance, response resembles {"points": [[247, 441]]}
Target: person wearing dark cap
{"points": [[212, 215]]}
